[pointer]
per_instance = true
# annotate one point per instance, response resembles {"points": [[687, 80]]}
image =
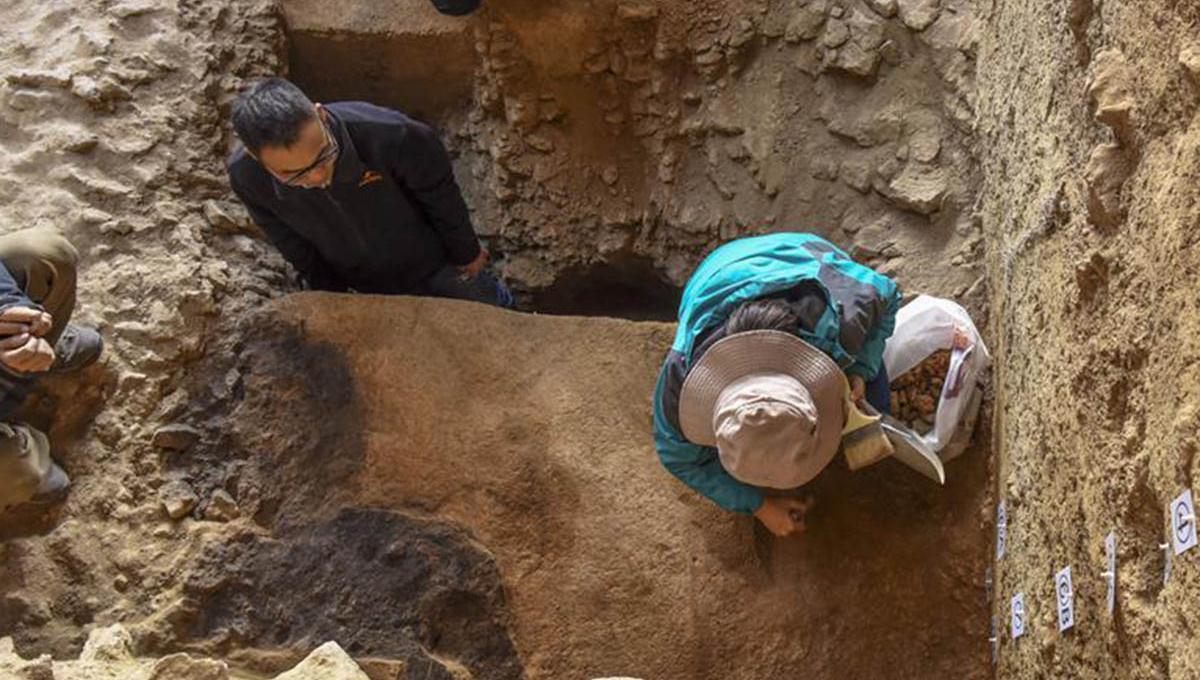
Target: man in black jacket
{"points": [[356, 197]]}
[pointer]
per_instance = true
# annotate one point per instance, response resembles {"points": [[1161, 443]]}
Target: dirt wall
{"points": [[1091, 145]]}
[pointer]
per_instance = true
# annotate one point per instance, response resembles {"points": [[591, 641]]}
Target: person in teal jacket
{"points": [[772, 332]]}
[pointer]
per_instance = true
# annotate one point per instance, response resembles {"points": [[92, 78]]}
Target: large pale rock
{"points": [[1111, 93], [918, 14], [327, 662], [187, 667], [1107, 169], [178, 498], [918, 188], [807, 21], [607, 560], [113, 643], [1189, 59]]}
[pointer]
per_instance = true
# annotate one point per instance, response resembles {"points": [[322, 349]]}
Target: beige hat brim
{"points": [[742, 354]]}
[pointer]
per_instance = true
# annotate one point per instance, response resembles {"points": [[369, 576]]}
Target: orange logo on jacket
{"points": [[370, 177]]}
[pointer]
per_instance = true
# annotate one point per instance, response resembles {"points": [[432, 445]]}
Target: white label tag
{"points": [[1183, 522], [1001, 530], [1066, 598], [1018, 615], [1166, 563], [1110, 551]]}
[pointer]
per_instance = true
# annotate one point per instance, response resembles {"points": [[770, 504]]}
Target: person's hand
{"points": [[18, 320], [858, 389], [470, 271], [26, 353], [783, 516]]}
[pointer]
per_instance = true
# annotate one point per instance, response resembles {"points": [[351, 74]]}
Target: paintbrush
{"points": [[863, 439]]}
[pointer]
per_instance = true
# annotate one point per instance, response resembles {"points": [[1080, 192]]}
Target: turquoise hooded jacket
{"points": [[852, 321]]}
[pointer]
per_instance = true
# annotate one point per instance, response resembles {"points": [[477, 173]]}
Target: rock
{"points": [[856, 174], [925, 143], [108, 644], [178, 498], [866, 128], [637, 11], [918, 14], [184, 667], [885, 8], [219, 218], [1105, 174], [918, 188], [327, 662], [175, 437], [806, 22], [1189, 59], [384, 669], [836, 33], [221, 507], [855, 60], [866, 31], [1111, 94], [609, 175]]}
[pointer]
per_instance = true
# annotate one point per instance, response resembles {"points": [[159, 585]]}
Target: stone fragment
{"points": [[925, 144], [178, 498], [806, 22], [918, 188], [885, 8], [108, 644], [384, 669], [866, 128], [836, 33], [220, 218], [327, 662], [185, 667], [918, 14], [1105, 174], [866, 30], [855, 60], [175, 437], [609, 175], [221, 507], [637, 11], [1189, 59], [856, 174], [1111, 94]]}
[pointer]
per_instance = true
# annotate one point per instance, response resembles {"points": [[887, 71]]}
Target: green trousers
{"points": [[43, 263]]}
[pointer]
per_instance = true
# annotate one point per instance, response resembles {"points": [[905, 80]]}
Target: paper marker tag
{"points": [[995, 640], [1018, 615], [1001, 529], [1065, 596], [1183, 522], [1166, 549], [1110, 551]]}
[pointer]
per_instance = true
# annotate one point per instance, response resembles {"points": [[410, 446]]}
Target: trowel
{"points": [[912, 451]]}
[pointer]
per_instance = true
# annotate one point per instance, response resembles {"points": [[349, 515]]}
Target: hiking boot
{"points": [[78, 347], [54, 487]]}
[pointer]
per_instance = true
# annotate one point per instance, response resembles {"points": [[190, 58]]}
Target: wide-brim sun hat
{"points": [[772, 404]]}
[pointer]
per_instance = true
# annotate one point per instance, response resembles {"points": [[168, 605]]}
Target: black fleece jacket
{"points": [[391, 217]]}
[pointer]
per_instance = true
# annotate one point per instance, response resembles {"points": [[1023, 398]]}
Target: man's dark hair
{"points": [[271, 112], [771, 314]]}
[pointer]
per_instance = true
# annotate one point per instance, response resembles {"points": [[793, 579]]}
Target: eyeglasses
{"points": [[328, 152]]}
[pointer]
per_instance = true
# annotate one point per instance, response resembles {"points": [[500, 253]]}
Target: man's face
{"points": [[309, 161]]}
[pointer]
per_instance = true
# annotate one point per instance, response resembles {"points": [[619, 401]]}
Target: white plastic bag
{"points": [[924, 326]]}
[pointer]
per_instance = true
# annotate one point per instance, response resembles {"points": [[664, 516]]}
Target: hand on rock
{"points": [[784, 516]]}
